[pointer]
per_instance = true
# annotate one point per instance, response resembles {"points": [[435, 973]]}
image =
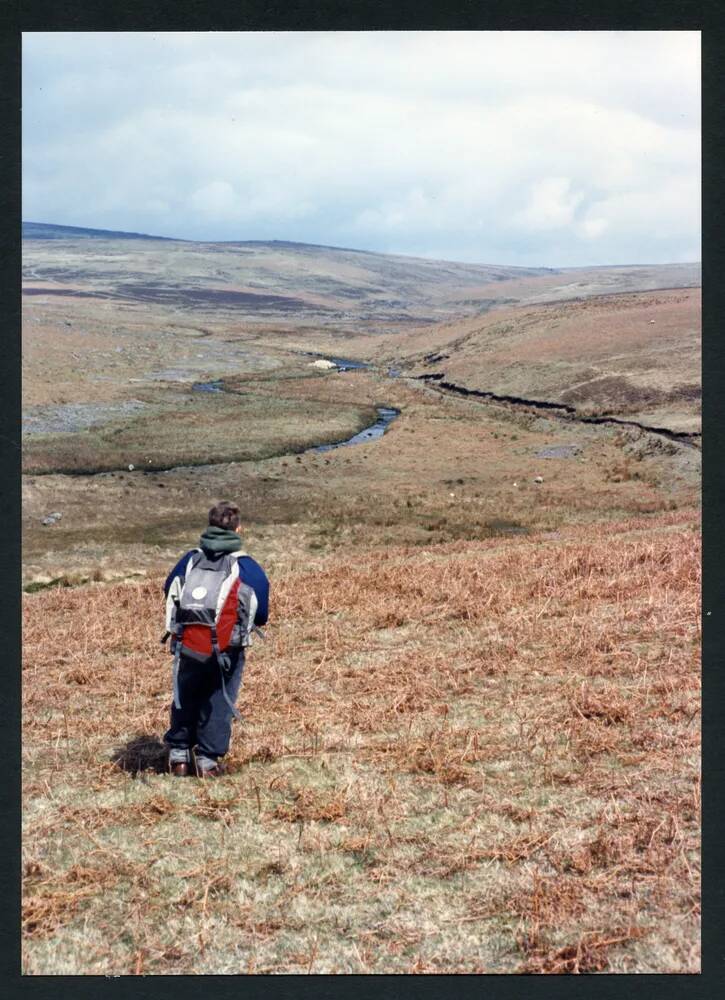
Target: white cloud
{"points": [[500, 147], [551, 204], [592, 228], [214, 199]]}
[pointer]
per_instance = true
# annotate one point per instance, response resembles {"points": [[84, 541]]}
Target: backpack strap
{"points": [[178, 635], [175, 674], [224, 663], [174, 594]]}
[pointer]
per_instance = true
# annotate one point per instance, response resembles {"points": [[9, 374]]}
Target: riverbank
{"points": [[446, 469]]}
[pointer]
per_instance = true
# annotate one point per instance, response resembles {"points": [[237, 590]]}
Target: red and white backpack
{"points": [[213, 609]]}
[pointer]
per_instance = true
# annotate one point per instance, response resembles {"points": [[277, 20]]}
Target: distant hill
{"points": [[50, 231], [498, 272], [273, 279], [333, 287]]}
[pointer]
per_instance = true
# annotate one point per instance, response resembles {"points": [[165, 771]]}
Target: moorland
{"points": [[470, 739]]}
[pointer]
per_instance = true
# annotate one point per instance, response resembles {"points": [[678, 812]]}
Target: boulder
{"points": [[323, 364]]}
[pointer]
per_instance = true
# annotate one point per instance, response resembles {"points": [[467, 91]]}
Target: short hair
{"points": [[225, 514]]}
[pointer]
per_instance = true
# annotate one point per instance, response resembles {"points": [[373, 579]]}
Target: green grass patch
{"points": [[200, 429]]}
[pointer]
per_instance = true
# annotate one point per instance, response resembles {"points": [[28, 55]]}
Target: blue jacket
{"points": [[250, 572]]}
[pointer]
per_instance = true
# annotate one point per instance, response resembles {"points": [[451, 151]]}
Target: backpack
{"points": [[211, 612]]}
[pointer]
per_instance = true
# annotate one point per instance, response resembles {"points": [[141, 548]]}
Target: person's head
{"points": [[225, 514]]}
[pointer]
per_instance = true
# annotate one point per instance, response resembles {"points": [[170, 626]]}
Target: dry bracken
{"points": [[483, 756]]}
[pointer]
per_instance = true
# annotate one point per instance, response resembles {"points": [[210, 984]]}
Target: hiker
{"points": [[216, 596]]}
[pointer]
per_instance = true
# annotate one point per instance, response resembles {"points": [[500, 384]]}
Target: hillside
{"points": [[347, 290], [111, 382], [51, 231], [254, 279], [478, 757], [636, 356]]}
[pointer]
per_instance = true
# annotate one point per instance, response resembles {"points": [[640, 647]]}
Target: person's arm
{"points": [[253, 575]]}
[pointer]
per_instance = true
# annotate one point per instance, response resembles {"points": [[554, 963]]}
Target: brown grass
{"points": [[634, 355], [483, 756]]}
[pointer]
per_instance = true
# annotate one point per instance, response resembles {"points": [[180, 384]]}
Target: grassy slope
{"points": [[633, 355], [483, 756]]}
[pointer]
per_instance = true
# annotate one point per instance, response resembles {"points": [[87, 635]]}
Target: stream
{"points": [[386, 414], [70, 417], [564, 410]]}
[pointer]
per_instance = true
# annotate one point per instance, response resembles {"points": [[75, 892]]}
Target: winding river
{"points": [[386, 414]]}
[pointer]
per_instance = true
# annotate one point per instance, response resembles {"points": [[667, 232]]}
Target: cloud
{"points": [[592, 228], [214, 200], [502, 147], [551, 205]]}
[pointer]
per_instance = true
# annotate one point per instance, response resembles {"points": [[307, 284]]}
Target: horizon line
{"points": [[327, 246]]}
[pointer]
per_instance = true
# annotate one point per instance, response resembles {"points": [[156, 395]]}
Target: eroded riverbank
{"points": [[562, 410]]}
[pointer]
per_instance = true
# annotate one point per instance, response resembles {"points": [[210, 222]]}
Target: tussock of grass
{"points": [[483, 757]]}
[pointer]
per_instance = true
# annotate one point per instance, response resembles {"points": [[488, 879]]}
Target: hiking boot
{"points": [[211, 772], [179, 769]]}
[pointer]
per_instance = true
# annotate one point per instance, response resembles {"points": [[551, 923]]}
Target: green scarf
{"points": [[220, 540]]}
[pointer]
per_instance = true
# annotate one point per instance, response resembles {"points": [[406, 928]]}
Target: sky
{"points": [[521, 148]]}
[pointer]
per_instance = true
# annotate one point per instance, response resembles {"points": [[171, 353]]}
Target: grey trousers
{"points": [[204, 720]]}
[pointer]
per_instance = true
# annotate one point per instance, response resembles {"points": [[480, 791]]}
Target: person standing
{"points": [[216, 596]]}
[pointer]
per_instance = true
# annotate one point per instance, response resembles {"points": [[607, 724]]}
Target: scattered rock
{"points": [[538, 479], [648, 446], [52, 518], [130, 468], [542, 425], [69, 418], [559, 451]]}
